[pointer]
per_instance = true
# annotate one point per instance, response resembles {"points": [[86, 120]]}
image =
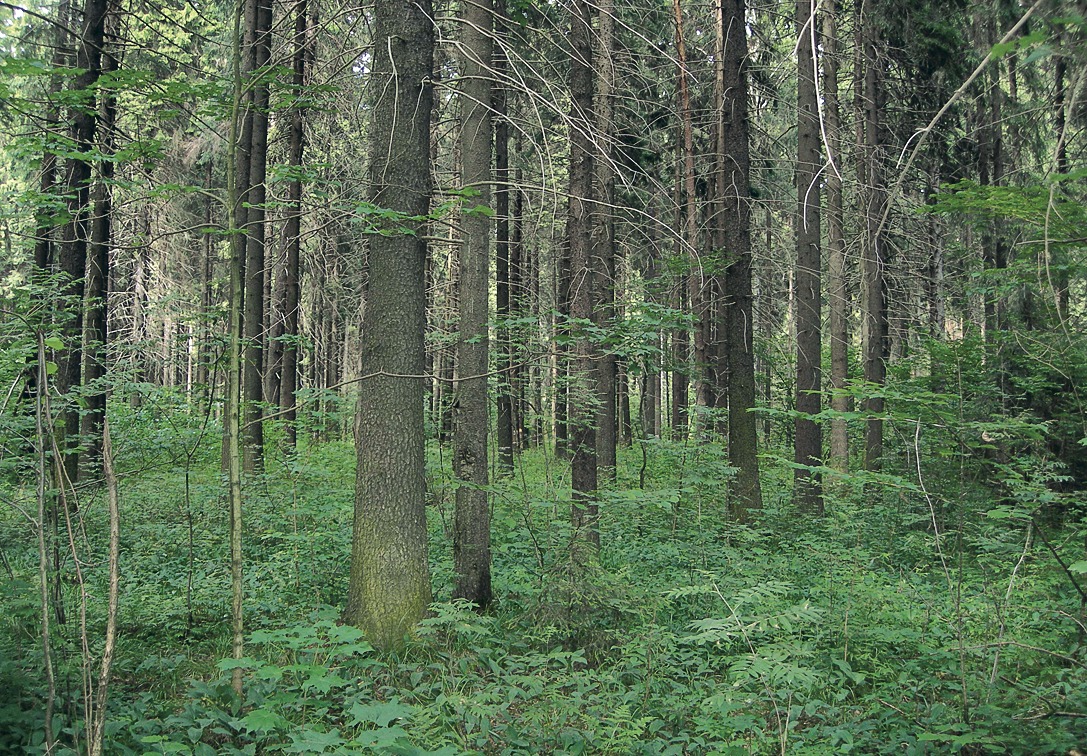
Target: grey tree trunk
{"points": [[389, 589], [472, 522]]}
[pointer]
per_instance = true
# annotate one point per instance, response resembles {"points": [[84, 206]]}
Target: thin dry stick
{"points": [[43, 551], [98, 728], [1007, 599]]}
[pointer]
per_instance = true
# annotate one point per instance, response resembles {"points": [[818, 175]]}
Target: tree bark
{"points": [[96, 287], [837, 275], [292, 234], [736, 216], [73, 253], [872, 259], [253, 316], [581, 409], [389, 588], [603, 244], [472, 522], [809, 348], [504, 270]]}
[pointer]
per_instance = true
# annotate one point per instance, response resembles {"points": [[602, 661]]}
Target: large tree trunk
{"points": [[389, 589], [581, 409], [472, 522], [809, 347], [736, 216]]}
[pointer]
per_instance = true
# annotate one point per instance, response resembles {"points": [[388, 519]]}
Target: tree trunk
{"points": [[581, 409], [253, 316], [809, 348], [872, 257], [389, 588], [837, 284], [504, 270], [73, 252], [472, 522], [736, 216], [697, 283], [96, 288], [293, 236], [603, 244]]}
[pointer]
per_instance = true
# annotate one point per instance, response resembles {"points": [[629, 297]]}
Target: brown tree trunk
{"points": [[293, 236], [96, 287], [736, 216], [581, 412], [253, 315], [603, 243], [872, 257], [837, 275], [504, 270], [809, 349], [697, 283], [73, 252]]}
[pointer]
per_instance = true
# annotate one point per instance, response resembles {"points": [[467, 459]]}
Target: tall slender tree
{"points": [[736, 216], [259, 14], [472, 522], [873, 260], [837, 279], [581, 409], [809, 346]]}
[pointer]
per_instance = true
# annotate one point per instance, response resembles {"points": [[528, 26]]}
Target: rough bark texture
{"points": [[736, 216], [472, 522], [809, 347], [604, 264], [73, 252], [696, 281], [292, 234], [581, 408], [389, 589], [837, 280], [872, 261], [504, 271], [96, 289], [253, 315]]}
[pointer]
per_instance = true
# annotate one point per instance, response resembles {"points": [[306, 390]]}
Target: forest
{"points": [[484, 377]]}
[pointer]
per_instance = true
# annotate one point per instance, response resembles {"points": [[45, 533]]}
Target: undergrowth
{"points": [[899, 623]]}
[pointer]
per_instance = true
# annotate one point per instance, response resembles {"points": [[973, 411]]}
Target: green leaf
{"points": [[380, 714], [262, 720], [54, 342], [1078, 568]]}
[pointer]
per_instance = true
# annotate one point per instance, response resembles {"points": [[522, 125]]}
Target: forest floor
{"points": [[898, 623]]}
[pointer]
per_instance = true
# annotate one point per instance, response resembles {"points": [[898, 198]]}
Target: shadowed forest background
{"points": [[543, 376]]}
